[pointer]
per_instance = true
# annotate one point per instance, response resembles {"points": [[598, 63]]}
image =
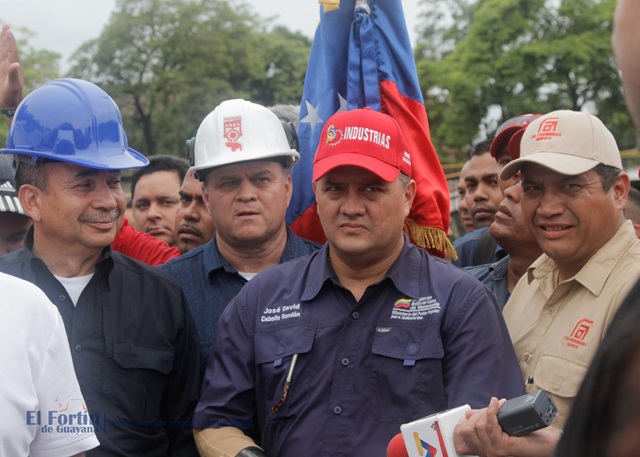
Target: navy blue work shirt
{"points": [[494, 276], [134, 349], [467, 246], [426, 338], [209, 282]]}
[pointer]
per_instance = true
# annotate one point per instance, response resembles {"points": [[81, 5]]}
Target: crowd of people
{"points": [[191, 320]]}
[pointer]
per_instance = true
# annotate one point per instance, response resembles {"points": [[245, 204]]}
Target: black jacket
{"points": [[135, 352]]}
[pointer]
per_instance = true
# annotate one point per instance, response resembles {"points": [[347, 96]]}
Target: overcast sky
{"points": [[62, 25]]}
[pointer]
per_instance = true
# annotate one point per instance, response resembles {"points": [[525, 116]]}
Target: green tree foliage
{"points": [[481, 62], [168, 63]]}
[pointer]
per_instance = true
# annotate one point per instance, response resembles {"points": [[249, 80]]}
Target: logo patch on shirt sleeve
{"points": [[407, 309]]}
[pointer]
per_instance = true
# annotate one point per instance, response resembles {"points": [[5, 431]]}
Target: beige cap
{"points": [[567, 142]]}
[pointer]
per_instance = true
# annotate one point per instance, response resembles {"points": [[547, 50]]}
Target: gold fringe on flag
{"points": [[430, 238], [330, 5]]}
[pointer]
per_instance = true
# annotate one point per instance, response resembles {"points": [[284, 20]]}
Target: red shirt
{"points": [[143, 247]]}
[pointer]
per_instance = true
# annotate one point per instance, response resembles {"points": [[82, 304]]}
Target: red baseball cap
{"points": [[362, 138], [508, 128]]}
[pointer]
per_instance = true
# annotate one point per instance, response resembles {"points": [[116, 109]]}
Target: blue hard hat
{"points": [[71, 120]]}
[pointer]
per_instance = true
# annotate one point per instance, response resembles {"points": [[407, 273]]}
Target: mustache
{"points": [[191, 228], [107, 216]]}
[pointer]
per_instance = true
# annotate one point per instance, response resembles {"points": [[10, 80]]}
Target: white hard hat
{"points": [[238, 131]]}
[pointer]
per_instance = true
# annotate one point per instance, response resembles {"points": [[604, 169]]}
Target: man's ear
{"points": [[409, 195], [620, 189], [30, 197], [205, 196], [288, 184]]}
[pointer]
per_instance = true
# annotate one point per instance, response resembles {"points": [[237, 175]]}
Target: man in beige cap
{"points": [[574, 193]]}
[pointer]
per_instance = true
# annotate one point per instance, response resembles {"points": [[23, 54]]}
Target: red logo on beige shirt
{"points": [[579, 334], [547, 130]]}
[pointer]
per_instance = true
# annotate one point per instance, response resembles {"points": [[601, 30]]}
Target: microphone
{"points": [[396, 447], [431, 435]]}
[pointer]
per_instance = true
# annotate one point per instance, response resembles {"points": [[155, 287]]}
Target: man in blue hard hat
{"points": [[132, 337]]}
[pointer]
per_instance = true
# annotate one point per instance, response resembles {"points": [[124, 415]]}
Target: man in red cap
{"points": [[484, 187], [334, 351], [509, 228]]}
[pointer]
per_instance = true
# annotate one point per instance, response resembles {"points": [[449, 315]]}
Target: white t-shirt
{"points": [[75, 286], [39, 392], [247, 276]]}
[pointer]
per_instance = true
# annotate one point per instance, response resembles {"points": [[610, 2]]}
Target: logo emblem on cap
{"points": [[549, 125], [547, 130], [334, 136], [233, 132]]}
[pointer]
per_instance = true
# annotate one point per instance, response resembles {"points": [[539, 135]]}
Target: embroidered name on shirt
{"points": [[407, 309], [579, 334], [280, 313]]}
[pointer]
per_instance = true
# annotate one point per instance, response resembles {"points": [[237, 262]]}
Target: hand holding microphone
{"points": [[505, 428]]}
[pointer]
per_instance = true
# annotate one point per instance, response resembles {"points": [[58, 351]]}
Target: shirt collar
{"points": [[404, 273], [498, 270], [213, 260], [594, 274], [104, 263]]}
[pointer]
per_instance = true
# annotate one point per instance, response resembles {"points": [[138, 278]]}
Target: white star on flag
{"points": [[312, 117]]}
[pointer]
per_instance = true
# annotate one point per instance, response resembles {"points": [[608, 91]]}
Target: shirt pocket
{"points": [[274, 354], [134, 356], [405, 373], [561, 378], [144, 372]]}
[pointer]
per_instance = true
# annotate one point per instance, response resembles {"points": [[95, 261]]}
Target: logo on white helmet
{"points": [[233, 132]]}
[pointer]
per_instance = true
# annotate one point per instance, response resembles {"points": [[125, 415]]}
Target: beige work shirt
{"points": [[556, 328]]}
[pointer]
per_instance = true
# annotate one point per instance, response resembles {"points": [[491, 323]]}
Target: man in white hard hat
{"points": [[242, 155]]}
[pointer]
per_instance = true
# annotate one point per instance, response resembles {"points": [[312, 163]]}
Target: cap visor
{"points": [[502, 138], [379, 168], [564, 164], [115, 160], [514, 144]]}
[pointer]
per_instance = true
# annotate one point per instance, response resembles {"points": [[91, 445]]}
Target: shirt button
{"points": [[526, 357], [62, 298], [78, 348], [337, 410], [355, 314], [345, 361]]}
